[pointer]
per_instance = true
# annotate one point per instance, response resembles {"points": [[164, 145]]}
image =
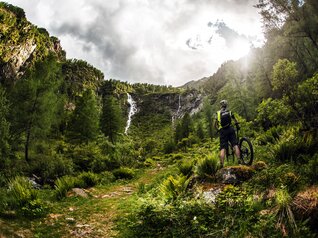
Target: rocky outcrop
{"points": [[234, 174], [22, 44], [173, 104], [20, 55]]}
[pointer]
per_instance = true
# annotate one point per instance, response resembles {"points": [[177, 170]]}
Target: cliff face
{"points": [[173, 105], [22, 44]]}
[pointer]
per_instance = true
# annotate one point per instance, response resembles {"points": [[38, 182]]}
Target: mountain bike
{"points": [[245, 147]]}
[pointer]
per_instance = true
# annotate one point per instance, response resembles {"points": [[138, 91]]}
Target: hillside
{"points": [[86, 156]]}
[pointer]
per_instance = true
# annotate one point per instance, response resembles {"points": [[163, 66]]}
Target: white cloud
{"points": [[146, 40]]}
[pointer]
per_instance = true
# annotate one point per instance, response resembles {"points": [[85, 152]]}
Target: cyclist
{"points": [[223, 124]]}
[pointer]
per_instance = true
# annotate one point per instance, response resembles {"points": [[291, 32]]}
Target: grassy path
{"points": [[82, 217]]}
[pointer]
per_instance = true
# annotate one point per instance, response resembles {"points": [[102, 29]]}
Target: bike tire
{"points": [[247, 152]]}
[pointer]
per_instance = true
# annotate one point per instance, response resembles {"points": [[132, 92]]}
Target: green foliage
{"points": [[174, 187], [152, 219], [20, 188], [282, 175], [285, 76], [63, 185], [79, 77], [289, 147], [123, 173], [25, 199], [306, 104], [184, 128], [271, 135], [111, 118], [87, 180], [34, 209], [272, 112], [169, 146], [49, 166], [4, 126], [84, 126], [91, 157], [35, 103], [284, 213], [207, 167], [310, 169], [106, 178], [186, 167]]}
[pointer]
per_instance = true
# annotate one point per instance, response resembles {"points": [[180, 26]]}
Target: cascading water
{"points": [[176, 115], [132, 111]]}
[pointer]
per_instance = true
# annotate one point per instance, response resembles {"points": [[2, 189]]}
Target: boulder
{"points": [[234, 174]]}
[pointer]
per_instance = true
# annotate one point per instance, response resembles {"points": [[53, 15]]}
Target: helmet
{"points": [[223, 104]]}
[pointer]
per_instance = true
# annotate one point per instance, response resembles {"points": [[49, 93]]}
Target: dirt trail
{"points": [[105, 207]]}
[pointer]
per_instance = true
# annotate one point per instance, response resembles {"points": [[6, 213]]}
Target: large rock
{"points": [[234, 174]]}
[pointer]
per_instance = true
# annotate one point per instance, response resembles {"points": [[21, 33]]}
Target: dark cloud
{"points": [[230, 35], [157, 41]]}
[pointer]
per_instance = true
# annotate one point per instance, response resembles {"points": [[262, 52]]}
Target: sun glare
{"points": [[240, 48]]}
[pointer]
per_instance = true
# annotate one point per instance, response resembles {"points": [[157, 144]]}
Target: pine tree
{"points": [[84, 126], [34, 103], [111, 118]]}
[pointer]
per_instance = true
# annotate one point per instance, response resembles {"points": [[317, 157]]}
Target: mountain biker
{"points": [[223, 124]]}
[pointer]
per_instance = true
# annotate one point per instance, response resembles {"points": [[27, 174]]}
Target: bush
{"points": [[22, 192], [50, 167], [86, 180], [25, 199], [207, 167], [169, 146], [123, 173], [290, 147], [63, 185], [106, 178], [186, 167], [174, 187]]}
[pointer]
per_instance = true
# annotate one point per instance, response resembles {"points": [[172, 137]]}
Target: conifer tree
{"points": [[84, 126], [111, 118], [34, 103]]}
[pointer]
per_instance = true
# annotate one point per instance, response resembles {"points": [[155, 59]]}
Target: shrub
{"points": [[174, 187], [106, 178], [207, 167], [25, 199], [63, 185], [289, 147], [285, 216], [51, 167], [185, 167], [34, 208], [124, 173], [22, 192], [169, 146], [87, 179]]}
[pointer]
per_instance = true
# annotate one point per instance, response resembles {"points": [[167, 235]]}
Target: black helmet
{"points": [[223, 104]]}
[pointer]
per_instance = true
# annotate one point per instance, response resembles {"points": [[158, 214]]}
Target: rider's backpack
{"points": [[224, 118]]}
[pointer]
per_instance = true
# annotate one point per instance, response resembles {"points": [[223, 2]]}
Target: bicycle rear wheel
{"points": [[247, 152]]}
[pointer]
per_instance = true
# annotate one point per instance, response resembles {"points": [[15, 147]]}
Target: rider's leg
{"points": [[237, 152], [222, 156]]}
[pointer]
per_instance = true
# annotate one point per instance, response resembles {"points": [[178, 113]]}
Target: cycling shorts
{"points": [[227, 135]]}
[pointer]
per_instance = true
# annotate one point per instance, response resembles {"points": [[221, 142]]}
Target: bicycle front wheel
{"points": [[246, 149]]}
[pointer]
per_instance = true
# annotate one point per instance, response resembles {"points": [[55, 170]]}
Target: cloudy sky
{"points": [[150, 41]]}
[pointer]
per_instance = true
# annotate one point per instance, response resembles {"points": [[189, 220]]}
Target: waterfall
{"points": [[132, 111], [176, 115]]}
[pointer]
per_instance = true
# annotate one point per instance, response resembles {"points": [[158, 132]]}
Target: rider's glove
{"points": [[237, 126]]}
